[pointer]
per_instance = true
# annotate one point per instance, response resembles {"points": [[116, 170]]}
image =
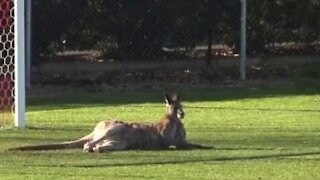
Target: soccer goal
{"points": [[12, 63]]}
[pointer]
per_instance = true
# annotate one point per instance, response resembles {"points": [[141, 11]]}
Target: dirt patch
{"points": [[157, 74]]}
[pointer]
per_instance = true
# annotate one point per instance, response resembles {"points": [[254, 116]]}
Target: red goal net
{"points": [[6, 61]]}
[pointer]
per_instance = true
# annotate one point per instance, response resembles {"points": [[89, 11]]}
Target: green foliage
{"points": [[139, 29], [261, 132], [282, 21]]}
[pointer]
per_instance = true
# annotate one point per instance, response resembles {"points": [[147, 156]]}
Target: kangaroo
{"points": [[113, 135]]}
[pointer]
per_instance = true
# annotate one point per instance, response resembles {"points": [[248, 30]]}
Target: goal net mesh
{"points": [[6, 62]]}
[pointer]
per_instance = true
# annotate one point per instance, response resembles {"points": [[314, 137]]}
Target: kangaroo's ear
{"points": [[167, 98], [176, 97]]}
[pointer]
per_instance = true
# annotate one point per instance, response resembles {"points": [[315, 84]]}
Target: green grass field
{"points": [[260, 132]]}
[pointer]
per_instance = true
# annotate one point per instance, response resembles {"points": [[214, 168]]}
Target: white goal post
{"points": [[12, 63], [19, 82], [243, 40]]}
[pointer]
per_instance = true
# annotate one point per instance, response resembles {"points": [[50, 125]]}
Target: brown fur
{"points": [[118, 135]]}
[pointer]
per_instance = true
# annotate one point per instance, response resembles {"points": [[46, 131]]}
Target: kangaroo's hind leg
{"points": [[102, 134], [110, 145]]}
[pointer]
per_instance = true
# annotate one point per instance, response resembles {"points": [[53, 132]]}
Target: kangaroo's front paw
{"points": [[98, 149]]}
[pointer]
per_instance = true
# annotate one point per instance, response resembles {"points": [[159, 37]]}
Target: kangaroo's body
{"points": [[118, 135]]}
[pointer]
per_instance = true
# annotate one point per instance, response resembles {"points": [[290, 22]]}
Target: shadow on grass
{"points": [[74, 100], [199, 160], [208, 160], [33, 139]]}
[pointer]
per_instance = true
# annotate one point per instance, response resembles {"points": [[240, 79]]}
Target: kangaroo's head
{"points": [[173, 106]]}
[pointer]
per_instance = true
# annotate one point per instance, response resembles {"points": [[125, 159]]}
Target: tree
{"points": [[282, 21], [128, 29]]}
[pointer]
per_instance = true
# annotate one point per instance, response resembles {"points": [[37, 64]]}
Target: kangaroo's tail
{"points": [[64, 145]]}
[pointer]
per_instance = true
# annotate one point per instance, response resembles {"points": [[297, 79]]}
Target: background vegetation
{"points": [[128, 29], [104, 43]]}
